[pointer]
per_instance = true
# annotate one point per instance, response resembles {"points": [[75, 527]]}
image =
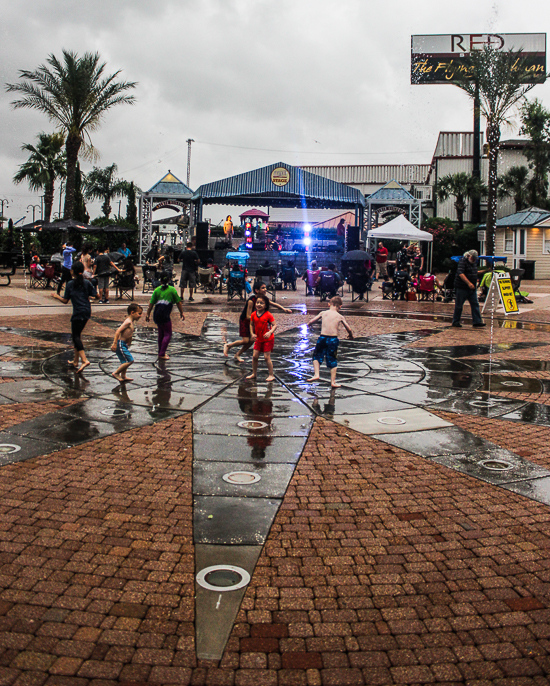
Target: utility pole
{"points": [[3, 202], [189, 141]]}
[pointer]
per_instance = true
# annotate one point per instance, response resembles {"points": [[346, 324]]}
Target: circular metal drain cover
{"points": [[496, 465], [36, 390], [223, 578], [253, 425], [512, 383], [151, 375], [195, 384], [6, 448], [368, 382], [12, 367], [391, 420], [114, 412], [241, 478], [482, 403]]}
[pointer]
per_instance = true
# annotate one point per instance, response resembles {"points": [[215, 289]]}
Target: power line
{"points": [[315, 152]]}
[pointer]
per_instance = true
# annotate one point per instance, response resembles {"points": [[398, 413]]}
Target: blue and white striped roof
{"points": [[303, 189]]}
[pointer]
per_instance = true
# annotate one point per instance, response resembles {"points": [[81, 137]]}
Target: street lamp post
{"points": [[5, 203], [34, 208]]}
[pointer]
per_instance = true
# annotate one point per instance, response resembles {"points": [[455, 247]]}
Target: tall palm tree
{"points": [[46, 163], [498, 80], [462, 187], [75, 94], [102, 184], [515, 184]]}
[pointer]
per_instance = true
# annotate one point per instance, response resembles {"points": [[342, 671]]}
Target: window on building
{"points": [[508, 240], [546, 246]]}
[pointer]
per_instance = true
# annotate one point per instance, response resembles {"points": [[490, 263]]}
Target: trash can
{"points": [[529, 266]]}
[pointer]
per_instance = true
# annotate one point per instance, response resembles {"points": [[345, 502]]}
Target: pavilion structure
{"points": [[280, 185], [390, 200], [168, 193]]}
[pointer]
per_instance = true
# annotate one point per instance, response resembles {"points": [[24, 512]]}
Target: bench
{"points": [[7, 272]]}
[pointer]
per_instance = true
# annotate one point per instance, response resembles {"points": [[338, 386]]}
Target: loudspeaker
{"points": [[202, 231], [205, 255], [352, 238]]}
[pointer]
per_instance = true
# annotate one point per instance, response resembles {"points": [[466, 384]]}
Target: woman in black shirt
{"points": [[78, 292]]}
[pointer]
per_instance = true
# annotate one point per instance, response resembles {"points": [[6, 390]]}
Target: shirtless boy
{"points": [[327, 343], [123, 340]]}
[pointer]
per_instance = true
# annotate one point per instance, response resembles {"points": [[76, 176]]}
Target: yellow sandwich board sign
{"points": [[506, 291]]}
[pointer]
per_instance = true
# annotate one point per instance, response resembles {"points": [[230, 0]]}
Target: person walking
{"points": [[189, 259], [78, 292], [102, 270], [66, 267], [466, 289], [163, 299], [381, 261]]}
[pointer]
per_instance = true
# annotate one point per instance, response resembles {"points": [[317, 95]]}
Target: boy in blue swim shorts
{"points": [[123, 340], [327, 343]]}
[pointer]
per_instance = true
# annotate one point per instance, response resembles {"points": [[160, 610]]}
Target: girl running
{"points": [[262, 324], [78, 292], [163, 300]]}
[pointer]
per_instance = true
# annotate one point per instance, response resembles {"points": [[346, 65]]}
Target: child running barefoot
{"points": [[123, 340], [162, 300], [327, 343], [263, 333]]}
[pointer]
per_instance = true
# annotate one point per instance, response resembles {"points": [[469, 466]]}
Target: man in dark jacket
{"points": [[465, 289]]}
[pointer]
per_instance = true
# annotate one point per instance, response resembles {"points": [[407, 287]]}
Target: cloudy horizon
{"points": [[253, 82]]}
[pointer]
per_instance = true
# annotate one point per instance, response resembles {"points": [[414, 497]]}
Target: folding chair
{"points": [[149, 275], [328, 285], [268, 277], [360, 283], [235, 285], [206, 281], [426, 288], [125, 284]]}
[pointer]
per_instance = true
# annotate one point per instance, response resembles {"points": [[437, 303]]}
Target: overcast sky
{"points": [[253, 82]]}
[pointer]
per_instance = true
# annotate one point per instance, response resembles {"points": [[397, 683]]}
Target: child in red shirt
{"points": [[263, 328]]}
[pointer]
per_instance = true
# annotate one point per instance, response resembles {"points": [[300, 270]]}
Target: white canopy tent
{"points": [[401, 229]]}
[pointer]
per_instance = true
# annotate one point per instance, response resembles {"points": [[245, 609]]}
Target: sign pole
{"points": [[476, 170]]}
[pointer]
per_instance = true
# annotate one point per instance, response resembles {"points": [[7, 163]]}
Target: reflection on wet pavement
{"points": [[248, 435]]}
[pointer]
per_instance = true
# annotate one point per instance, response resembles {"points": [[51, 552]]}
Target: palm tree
{"points": [[535, 120], [462, 187], [102, 184], [46, 163], [515, 184], [75, 95], [498, 81]]}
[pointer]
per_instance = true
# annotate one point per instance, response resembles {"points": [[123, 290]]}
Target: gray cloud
{"points": [[249, 74]]}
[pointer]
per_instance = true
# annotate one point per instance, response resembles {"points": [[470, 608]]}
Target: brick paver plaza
{"points": [[399, 534]]}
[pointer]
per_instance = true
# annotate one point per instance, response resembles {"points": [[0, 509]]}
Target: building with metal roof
{"points": [[524, 237]]}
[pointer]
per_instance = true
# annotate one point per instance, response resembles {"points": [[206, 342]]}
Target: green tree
{"points": [[79, 213], [102, 184], [535, 120], [131, 208], [515, 184], [75, 94], [462, 187], [497, 80], [45, 165]]}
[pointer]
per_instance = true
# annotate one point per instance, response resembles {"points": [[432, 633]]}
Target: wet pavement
{"points": [[247, 454]]}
